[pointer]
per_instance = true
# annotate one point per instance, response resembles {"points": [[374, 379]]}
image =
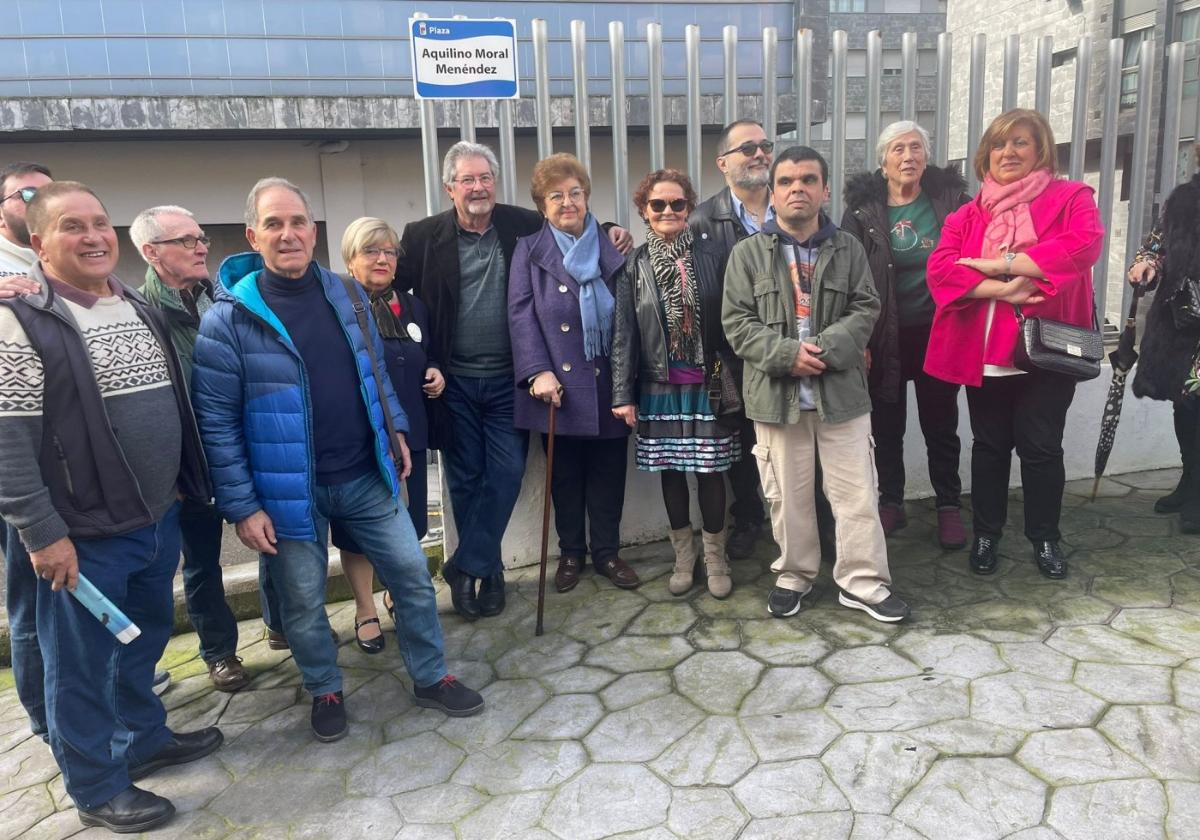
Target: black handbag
{"points": [[1056, 347], [723, 392], [1185, 305]]}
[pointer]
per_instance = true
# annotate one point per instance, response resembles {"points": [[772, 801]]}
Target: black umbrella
{"points": [[1122, 362]]}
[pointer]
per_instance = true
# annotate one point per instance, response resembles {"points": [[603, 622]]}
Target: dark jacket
{"points": [[1166, 353], [407, 361], [714, 221], [80, 460], [639, 331], [184, 325], [866, 217], [547, 334]]}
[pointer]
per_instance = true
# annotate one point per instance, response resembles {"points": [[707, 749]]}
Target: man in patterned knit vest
{"points": [[98, 446]]}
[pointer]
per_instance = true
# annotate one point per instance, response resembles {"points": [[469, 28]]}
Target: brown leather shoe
{"points": [[567, 575], [619, 572], [228, 674]]}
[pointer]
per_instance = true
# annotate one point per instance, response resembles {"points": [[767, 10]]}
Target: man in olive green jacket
{"points": [[799, 308]]}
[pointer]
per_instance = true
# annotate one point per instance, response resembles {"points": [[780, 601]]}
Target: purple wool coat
{"points": [[547, 334]]}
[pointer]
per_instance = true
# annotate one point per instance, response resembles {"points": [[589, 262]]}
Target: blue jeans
{"points": [[100, 707], [21, 587], [201, 529], [297, 575], [485, 464]]}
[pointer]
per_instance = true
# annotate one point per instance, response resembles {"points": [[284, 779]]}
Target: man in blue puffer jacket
{"points": [[291, 415]]}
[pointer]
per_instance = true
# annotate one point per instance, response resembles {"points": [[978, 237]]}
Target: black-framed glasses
{"points": [[26, 194], [189, 242], [658, 205], [748, 149]]}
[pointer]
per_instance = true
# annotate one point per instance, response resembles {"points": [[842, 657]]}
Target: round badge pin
{"points": [[414, 332]]}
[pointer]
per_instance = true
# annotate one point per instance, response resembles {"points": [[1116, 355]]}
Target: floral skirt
{"points": [[677, 430]]}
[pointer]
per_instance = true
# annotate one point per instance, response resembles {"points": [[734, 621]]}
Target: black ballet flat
{"points": [[369, 645]]}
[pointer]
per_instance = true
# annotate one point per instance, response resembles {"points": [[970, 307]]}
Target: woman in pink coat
{"points": [[1029, 239]]}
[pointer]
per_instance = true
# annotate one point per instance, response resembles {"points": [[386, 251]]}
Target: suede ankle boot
{"points": [[716, 564], [683, 541]]}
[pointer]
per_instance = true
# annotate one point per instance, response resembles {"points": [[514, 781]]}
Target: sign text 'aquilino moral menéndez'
{"points": [[464, 59]]}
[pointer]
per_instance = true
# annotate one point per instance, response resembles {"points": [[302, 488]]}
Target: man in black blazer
{"points": [[456, 262]]}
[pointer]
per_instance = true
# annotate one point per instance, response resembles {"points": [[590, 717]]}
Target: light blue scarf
{"points": [[581, 259]]}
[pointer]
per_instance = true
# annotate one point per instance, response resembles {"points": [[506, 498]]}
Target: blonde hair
{"points": [[1004, 125], [364, 232]]}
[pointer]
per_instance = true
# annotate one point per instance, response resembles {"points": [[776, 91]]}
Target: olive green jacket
{"points": [[759, 315]]}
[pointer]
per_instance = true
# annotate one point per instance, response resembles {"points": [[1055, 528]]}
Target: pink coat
{"points": [[1069, 240]]}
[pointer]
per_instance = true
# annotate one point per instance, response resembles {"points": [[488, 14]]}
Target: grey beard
{"points": [[751, 180]]}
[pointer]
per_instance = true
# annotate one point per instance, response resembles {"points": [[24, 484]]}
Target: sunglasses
{"points": [[658, 205], [26, 194], [748, 149]]}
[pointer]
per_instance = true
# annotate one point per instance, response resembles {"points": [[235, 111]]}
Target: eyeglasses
{"points": [[658, 205], [26, 193], [469, 181], [575, 196], [748, 149], [373, 253], [189, 242]]}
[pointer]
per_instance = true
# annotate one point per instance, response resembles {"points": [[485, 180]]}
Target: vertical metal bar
{"points": [[1108, 165], [770, 44], [1141, 162], [655, 66], [941, 137], [583, 137], [508, 154], [837, 173], [620, 138], [429, 152], [802, 84], [975, 104], [874, 85], [1168, 175], [908, 75], [541, 84], [466, 113], [729, 37], [1083, 75], [1012, 71], [691, 39], [1041, 85]]}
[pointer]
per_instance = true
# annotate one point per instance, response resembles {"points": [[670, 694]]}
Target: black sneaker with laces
{"points": [[328, 716], [783, 602], [891, 609], [450, 696]]}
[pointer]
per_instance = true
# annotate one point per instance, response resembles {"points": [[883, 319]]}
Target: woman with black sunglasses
{"points": [[667, 345]]}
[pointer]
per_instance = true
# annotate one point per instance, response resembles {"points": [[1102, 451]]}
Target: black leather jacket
{"points": [[713, 221], [639, 333]]}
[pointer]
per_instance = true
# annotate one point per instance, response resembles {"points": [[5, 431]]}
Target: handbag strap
{"points": [[360, 312], [1095, 319]]}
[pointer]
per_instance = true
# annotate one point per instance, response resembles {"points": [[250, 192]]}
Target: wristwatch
{"points": [[1009, 256]]}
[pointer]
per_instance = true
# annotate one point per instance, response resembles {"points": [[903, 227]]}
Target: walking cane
{"points": [[545, 522]]}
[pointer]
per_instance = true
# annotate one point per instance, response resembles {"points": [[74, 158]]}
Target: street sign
{"points": [[464, 59]]}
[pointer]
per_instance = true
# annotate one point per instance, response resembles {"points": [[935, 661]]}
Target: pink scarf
{"points": [[1011, 226]]}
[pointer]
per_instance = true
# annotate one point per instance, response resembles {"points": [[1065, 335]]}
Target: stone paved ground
{"points": [[1010, 707]]}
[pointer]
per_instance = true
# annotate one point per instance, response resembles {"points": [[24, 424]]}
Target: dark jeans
{"points": [[484, 468], [21, 587], [588, 488], [201, 529], [747, 507], [100, 706], [937, 411], [1028, 413]]}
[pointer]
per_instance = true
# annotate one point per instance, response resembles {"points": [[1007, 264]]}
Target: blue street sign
{"points": [[464, 59]]}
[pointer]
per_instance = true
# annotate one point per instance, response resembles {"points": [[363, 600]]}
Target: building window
{"points": [[841, 6], [1129, 66], [1063, 57], [1187, 25]]}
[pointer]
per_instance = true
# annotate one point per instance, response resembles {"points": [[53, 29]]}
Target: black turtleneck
{"points": [[343, 440]]}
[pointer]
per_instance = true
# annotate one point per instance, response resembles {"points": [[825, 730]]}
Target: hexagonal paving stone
{"points": [[392, 770], [952, 654], [28, 763], [581, 678], [782, 642], [787, 689], [539, 656], [1187, 689], [1023, 701], [800, 827], [632, 689], [1076, 756], [900, 704], [1132, 591], [564, 716], [641, 732], [1170, 629], [746, 602], [877, 827], [295, 794], [503, 816], [982, 798], [705, 814], [715, 634], [717, 681], [354, 818], [603, 616], [1130, 810], [1104, 644], [438, 803], [1183, 800], [1154, 562], [844, 627], [640, 653], [788, 788], [633, 798], [1127, 684], [1165, 739], [1000, 620], [968, 737], [790, 734], [516, 767], [876, 770], [508, 703], [866, 664], [666, 619], [1036, 658], [714, 753], [20, 810]]}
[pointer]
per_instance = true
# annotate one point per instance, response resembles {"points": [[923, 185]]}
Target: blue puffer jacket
{"points": [[250, 392]]}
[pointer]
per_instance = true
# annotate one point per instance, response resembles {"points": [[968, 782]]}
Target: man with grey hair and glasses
{"points": [[457, 262]]}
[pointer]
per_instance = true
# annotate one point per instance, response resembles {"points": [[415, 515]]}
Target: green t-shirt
{"points": [[914, 231]]}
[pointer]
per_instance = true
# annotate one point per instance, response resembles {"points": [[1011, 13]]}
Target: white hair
{"points": [[465, 149], [265, 184], [146, 228], [899, 129]]}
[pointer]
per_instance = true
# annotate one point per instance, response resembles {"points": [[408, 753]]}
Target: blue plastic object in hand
{"points": [[105, 611]]}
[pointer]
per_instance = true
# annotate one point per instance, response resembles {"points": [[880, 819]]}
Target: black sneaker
{"points": [[784, 602], [450, 696], [741, 541], [328, 716], [891, 609]]}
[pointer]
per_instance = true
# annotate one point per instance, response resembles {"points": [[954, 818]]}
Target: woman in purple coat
{"points": [[560, 304]]}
